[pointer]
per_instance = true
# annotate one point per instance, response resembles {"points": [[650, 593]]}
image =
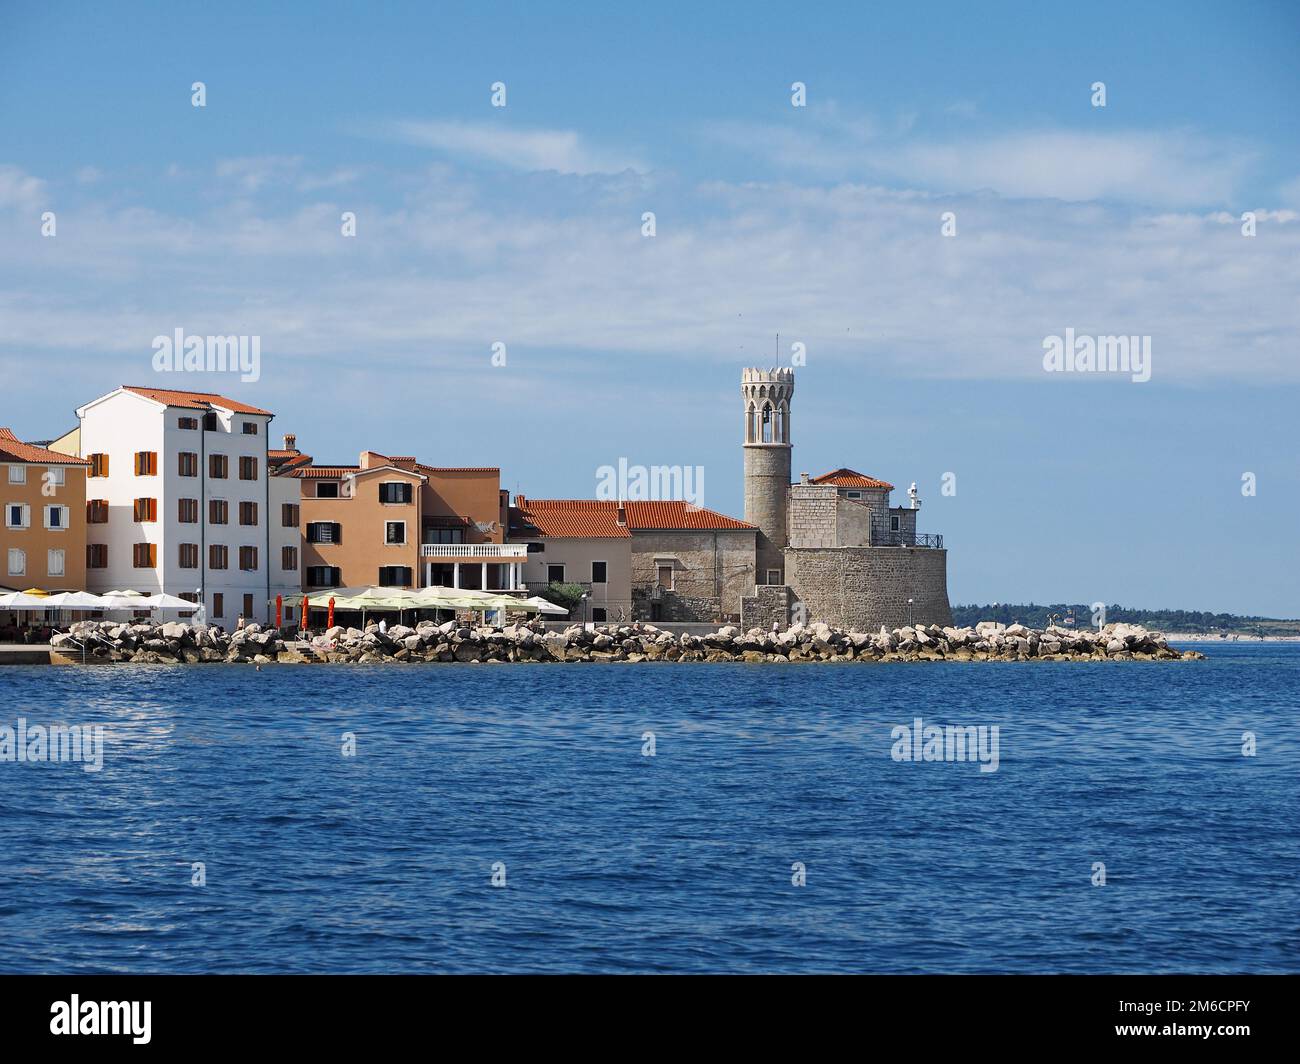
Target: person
{"points": [[775, 628], [240, 623], [383, 626]]}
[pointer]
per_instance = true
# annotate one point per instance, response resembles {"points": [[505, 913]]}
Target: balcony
{"points": [[492, 553], [883, 538]]}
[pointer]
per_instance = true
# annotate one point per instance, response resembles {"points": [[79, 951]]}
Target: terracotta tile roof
{"points": [[324, 472], [567, 518], [194, 400], [659, 514], [456, 469], [12, 449], [851, 478], [592, 517]]}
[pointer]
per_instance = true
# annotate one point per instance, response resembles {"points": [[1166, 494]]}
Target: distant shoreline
{"points": [[1201, 637]]}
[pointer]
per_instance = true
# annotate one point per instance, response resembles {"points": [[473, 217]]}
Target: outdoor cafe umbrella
{"points": [[162, 601], [545, 607]]}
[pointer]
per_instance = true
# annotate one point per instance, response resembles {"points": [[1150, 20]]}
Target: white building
{"points": [[179, 500]]}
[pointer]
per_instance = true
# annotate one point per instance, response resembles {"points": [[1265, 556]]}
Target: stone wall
{"points": [[811, 515], [863, 588], [712, 571], [769, 603]]}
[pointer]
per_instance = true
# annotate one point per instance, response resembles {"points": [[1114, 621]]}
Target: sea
{"points": [[656, 817]]}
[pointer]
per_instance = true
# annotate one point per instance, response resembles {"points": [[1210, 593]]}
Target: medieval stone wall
{"points": [[862, 588], [711, 572]]}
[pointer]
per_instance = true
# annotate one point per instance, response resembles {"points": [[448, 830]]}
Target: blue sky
{"points": [[522, 225]]}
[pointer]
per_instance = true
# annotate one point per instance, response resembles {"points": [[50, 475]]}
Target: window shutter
{"points": [[338, 532]]}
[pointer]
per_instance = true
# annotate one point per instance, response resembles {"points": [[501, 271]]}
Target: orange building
{"points": [[43, 539], [396, 522]]}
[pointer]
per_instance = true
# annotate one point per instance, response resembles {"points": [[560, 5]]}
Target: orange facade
{"points": [[43, 534]]}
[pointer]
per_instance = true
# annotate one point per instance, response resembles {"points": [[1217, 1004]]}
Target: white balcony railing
{"points": [[481, 551]]}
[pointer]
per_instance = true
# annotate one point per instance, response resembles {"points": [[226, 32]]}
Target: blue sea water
{"points": [[680, 862]]}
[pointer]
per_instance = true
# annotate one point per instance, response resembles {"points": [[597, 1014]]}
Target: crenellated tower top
{"points": [[767, 394]]}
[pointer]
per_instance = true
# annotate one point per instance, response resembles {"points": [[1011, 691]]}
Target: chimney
{"points": [[622, 514], [290, 441], [803, 478]]}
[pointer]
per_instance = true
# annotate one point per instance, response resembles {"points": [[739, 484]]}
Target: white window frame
{"points": [[853, 494], [26, 515], [56, 474], [22, 564], [50, 556], [66, 516], [17, 474], [392, 543]]}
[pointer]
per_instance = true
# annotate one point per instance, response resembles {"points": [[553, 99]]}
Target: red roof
{"points": [[678, 515], [596, 518], [568, 518], [851, 478], [195, 400], [12, 449]]}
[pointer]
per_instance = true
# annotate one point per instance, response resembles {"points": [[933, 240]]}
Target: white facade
{"points": [[123, 423]]}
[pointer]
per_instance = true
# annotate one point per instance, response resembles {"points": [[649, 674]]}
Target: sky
{"points": [[921, 352]]}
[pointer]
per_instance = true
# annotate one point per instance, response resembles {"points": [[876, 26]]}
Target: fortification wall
{"points": [[862, 588]]}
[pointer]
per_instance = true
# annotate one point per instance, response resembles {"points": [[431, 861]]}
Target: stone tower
{"points": [[767, 394]]}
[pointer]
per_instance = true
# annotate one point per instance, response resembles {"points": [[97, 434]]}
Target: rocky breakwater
{"points": [[454, 641]]}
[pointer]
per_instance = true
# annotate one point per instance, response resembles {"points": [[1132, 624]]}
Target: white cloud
{"points": [[563, 150], [20, 189]]}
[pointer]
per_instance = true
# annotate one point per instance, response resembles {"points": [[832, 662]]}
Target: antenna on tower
{"points": [[778, 349]]}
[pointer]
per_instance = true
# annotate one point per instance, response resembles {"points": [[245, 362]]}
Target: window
{"points": [[17, 562], [96, 555], [322, 576], [144, 555], [187, 463], [894, 523], [17, 474], [598, 614], [98, 465], [324, 532], [189, 555], [247, 467], [248, 559], [665, 576], [289, 559], [853, 494], [250, 428], [394, 576], [210, 422], [218, 466], [394, 491], [599, 572], [218, 600], [248, 605], [218, 512], [327, 490], [54, 563], [56, 517], [96, 511], [289, 515], [55, 474], [394, 531], [444, 535], [187, 511], [146, 510], [187, 423], [774, 576], [288, 613], [18, 515], [248, 513], [555, 574], [146, 463], [218, 556]]}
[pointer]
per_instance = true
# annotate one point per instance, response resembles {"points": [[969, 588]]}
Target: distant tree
{"points": [[567, 595]]}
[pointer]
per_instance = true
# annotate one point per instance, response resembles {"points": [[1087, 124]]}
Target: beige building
{"points": [[684, 563], [43, 538]]}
